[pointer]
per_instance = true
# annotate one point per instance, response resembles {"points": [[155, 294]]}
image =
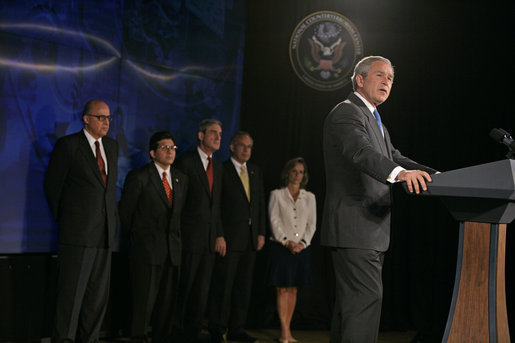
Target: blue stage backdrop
{"points": [[160, 65]]}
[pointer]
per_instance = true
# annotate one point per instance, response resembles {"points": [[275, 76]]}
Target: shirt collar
{"points": [[238, 165], [369, 105], [161, 170], [302, 192], [91, 139], [202, 154]]}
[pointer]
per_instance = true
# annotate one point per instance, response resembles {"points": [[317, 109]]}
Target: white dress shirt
{"points": [[292, 220], [167, 171], [393, 174], [91, 142], [238, 166], [203, 157]]}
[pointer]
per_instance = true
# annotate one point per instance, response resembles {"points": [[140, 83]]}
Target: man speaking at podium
{"points": [[361, 164]]}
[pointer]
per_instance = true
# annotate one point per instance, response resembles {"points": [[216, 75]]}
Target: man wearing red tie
{"points": [[80, 186], [201, 226], [150, 212]]}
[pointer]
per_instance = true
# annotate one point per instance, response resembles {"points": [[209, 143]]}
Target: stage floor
{"points": [[270, 336]]}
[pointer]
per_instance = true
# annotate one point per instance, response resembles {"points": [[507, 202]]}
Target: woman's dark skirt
{"points": [[288, 270]]}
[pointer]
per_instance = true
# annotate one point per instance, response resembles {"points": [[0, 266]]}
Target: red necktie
{"points": [[209, 173], [168, 189], [100, 162]]}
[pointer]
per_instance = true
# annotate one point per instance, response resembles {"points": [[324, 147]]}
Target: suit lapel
{"points": [[377, 131], [202, 173], [176, 186], [372, 123], [388, 143], [235, 177], [110, 155], [250, 171], [237, 180], [155, 178], [86, 151]]}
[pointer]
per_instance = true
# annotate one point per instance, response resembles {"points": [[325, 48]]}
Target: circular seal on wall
{"points": [[324, 48]]}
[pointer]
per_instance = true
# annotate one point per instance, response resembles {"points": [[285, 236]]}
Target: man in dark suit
{"points": [[80, 186], [361, 163], [200, 226], [150, 211], [243, 222]]}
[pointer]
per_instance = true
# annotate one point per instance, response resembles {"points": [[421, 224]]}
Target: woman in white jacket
{"points": [[292, 212]]}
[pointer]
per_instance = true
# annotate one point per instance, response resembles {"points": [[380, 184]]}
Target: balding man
{"points": [[81, 190]]}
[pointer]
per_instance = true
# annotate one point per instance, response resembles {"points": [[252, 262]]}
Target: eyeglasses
{"points": [[167, 147], [101, 118]]}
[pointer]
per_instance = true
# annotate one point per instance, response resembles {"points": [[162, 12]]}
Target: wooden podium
{"points": [[482, 198]]}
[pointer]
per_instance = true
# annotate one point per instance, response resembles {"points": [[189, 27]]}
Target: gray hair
{"points": [[239, 134], [206, 123], [363, 67]]}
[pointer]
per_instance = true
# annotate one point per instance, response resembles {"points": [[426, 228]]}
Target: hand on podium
{"points": [[415, 179]]}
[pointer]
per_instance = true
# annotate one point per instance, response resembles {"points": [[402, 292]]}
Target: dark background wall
{"points": [[452, 85]]}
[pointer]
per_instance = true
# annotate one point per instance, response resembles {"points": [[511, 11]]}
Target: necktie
{"points": [[168, 189], [378, 120], [209, 173], [100, 162], [245, 181]]}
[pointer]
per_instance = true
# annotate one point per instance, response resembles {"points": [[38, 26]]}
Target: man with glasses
{"points": [[80, 186], [243, 219], [150, 212]]}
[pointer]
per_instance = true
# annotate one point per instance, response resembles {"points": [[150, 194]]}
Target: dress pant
{"points": [[154, 299], [83, 292], [359, 295], [230, 292], [196, 271]]}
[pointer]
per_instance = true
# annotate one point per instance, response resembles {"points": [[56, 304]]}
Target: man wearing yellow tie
{"points": [[243, 222]]}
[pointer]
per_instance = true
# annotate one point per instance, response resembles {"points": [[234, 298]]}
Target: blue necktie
{"points": [[378, 120]]}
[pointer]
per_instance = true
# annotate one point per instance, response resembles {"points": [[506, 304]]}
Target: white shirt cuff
{"points": [[393, 175]]}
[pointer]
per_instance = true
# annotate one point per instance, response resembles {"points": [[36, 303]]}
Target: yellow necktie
{"points": [[245, 181]]}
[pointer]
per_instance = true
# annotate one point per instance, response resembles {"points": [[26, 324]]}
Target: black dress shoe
{"points": [[241, 337], [217, 338]]}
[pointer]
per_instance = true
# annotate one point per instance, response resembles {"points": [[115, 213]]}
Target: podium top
{"points": [[495, 180]]}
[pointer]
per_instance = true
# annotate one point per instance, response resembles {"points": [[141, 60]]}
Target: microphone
{"points": [[503, 137]]}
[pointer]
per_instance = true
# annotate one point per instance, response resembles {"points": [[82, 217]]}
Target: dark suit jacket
{"points": [[80, 202], [237, 210], [358, 161], [201, 222], [145, 213]]}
